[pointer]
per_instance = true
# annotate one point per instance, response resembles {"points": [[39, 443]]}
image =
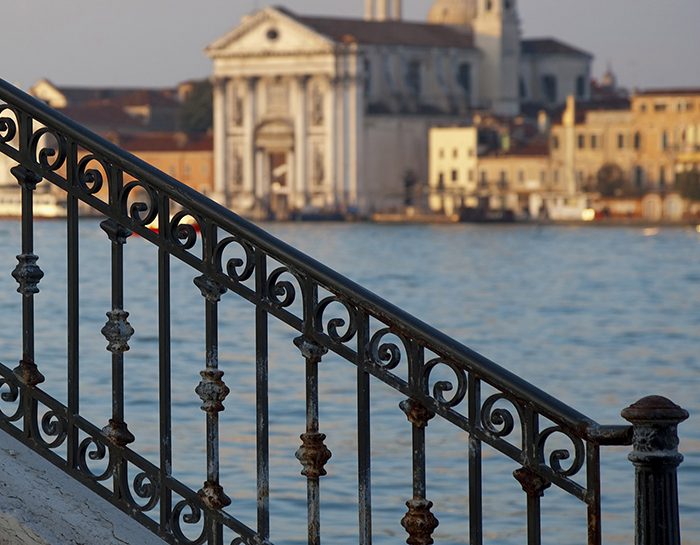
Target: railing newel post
{"points": [[656, 458]]}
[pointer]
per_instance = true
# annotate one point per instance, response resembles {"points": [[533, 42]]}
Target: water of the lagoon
{"points": [[596, 317]]}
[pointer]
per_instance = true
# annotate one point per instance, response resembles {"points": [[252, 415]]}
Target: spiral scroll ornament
{"points": [[183, 229], [557, 456], [52, 425], [193, 518], [386, 355], [281, 292], [90, 179], [8, 125], [497, 421], [50, 155], [94, 449], [146, 488], [442, 386], [238, 269], [334, 327], [144, 209]]}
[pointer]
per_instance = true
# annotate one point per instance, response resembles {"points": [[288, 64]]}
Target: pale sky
{"points": [[649, 43]]}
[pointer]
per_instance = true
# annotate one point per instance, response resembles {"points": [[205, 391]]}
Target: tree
{"points": [[196, 110], [688, 184], [610, 180]]}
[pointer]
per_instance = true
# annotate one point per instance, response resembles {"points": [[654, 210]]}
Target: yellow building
{"points": [[452, 168]]}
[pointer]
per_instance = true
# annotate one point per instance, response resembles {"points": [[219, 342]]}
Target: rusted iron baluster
{"points": [[262, 411], [419, 522], [532, 483], [212, 391], [364, 454], [656, 458], [164, 368], [476, 519], [27, 274], [117, 331], [313, 453]]}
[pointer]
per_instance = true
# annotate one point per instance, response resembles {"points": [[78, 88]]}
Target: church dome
{"points": [[452, 12]]}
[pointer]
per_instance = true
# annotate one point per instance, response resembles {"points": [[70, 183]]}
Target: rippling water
{"points": [[596, 317]]}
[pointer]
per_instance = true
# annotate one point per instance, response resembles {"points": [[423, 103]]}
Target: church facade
{"points": [[324, 114]]}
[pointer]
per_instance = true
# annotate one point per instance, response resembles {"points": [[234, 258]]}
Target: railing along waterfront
{"points": [[228, 256]]}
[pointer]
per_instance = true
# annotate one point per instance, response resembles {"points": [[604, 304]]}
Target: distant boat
{"points": [[45, 205], [486, 215]]}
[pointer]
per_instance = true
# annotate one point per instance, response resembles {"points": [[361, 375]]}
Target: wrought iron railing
{"points": [[437, 376]]}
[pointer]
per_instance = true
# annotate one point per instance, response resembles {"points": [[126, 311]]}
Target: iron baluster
{"points": [[212, 391], [475, 468], [532, 483], [262, 413], [364, 444], [313, 453], [164, 369], [593, 485], [73, 304]]}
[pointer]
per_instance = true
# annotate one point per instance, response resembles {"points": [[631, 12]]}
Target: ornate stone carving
{"points": [[313, 454], [419, 522], [416, 413], [212, 390], [213, 496], [117, 331], [28, 274], [533, 484], [210, 289]]}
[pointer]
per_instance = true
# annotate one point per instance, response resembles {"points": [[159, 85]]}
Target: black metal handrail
{"points": [[330, 312]]}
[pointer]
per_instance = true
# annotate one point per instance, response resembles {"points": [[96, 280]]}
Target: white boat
{"points": [[46, 205]]}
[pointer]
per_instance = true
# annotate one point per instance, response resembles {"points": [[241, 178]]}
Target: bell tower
{"points": [[497, 35], [383, 10]]}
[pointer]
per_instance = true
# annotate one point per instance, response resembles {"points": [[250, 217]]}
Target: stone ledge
{"points": [[41, 505]]}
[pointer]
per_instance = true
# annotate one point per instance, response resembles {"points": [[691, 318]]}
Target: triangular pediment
{"points": [[271, 31]]}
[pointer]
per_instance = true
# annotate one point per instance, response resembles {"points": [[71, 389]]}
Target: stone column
{"points": [[220, 140], [249, 122], [332, 135], [300, 181], [656, 458]]}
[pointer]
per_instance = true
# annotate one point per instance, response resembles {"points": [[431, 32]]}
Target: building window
{"points": [[620, 141], [549, 88], [521, 175], [441, 153], [441, 180], [555, 142], [594, 141], [470, 175], [581, 86], [659, 107], [637, 140], [522, 88], [489, 5], [643, 107], [455, 153], [464, 79], [556, 176], [664, 140], [454, 175], [662, 177], [581, 141], [483, 182], [638, 177], [508, 4], [503, 180], [543, 176], [413, 81]]}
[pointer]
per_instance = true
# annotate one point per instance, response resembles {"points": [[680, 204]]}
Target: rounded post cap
{"points": [[654, 409]]}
